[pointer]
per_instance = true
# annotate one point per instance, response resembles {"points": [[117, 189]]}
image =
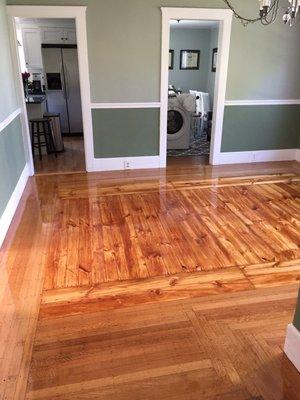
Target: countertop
{"points": [[35, 99]]}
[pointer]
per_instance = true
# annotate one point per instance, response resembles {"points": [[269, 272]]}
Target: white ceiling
{"points": [[193, 24]]}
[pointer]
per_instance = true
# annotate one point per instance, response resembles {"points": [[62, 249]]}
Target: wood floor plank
{"points": [[208, 348]]}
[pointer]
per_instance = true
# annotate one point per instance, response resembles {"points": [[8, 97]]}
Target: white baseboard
{"points": [[240, 157], [292, 345], [121, 163], [9, 212], [297, 156]]}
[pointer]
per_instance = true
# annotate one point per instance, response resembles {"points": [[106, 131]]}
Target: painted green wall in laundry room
{"points": [[297, 314], [12, 160], [266, 127], [12, 157], [115, 128]]}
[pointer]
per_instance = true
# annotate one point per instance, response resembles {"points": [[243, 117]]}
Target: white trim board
{"points": [[125, 105], [9, 119], [261, 102], [292, 345], [243, 157], [121, 163], [297, 156], [224, 17], [10, 209], [79, 14]]}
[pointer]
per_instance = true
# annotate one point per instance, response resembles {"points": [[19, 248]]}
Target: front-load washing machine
{"points": [[179, 125]]}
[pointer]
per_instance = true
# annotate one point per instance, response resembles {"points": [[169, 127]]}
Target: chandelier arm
{"points": [[272, 13], [247, 20]]}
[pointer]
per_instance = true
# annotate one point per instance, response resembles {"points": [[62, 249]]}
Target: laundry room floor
{"points": [[198, 147]]}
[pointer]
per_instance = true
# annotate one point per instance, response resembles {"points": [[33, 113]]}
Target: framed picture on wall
{"points": [[171, 59], [189, 59], [214, 60]]}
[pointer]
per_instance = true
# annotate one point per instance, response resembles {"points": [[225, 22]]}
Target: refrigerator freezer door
{"points": [[71, 70], [55, 85]]}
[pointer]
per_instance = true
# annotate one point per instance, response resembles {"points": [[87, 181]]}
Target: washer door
{"points": [[177, 123]]}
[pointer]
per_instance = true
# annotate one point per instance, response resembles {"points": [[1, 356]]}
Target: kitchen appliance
{"points": [[36, 84], [62, 86]]}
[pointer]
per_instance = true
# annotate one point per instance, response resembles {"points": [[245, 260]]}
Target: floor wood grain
{"points": [[101, 244], [115, 232], [221, 347]]}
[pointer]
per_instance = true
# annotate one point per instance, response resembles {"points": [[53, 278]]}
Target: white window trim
{"points": [[78, 13], [224, 16]]}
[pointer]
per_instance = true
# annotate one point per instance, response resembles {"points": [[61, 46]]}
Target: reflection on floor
{"points": [[187, 161], [71, 160], [154, 284]]}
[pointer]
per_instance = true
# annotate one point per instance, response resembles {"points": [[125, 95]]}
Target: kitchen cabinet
{"points": [[32, 48], [56, 35]]}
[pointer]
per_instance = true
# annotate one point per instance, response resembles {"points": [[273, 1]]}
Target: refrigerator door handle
{"points": [[62, 79], [67, 81]]}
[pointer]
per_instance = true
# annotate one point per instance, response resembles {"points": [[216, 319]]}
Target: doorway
{"points": [[191, 129], [47, 50], [50, 57], [192, 70]]}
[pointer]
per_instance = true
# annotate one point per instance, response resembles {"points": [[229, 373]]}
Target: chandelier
{"points": [[268, 12]]}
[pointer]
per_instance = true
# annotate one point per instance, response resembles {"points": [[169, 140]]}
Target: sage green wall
{"points": [[297, 313], [193, 39], [12, 160], [124, 44], [265, 127], [12, 157], [115, 128]]}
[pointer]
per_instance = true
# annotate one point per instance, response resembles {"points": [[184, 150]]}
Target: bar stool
{"points": [[41, 130]]}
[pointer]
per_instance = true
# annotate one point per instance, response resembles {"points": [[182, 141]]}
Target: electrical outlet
{"points": [[127, 164]]}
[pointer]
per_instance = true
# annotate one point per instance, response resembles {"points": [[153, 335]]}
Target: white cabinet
{"points": [[32, 48], [55, 35]]}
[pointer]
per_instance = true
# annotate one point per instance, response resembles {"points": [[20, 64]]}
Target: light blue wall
{"points": [[192, 39]]}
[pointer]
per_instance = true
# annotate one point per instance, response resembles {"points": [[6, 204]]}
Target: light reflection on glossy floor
{"points": [[72, 159], [192, 232]]}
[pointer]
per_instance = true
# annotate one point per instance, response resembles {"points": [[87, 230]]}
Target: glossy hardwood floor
{"points": [[71, 160], [219, 347], [96, 248]]}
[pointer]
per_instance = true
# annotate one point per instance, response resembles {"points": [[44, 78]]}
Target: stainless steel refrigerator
{"points": [[62, 86]]}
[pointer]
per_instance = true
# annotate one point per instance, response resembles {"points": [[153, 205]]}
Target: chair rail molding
{"points": [[125, 105], [9, 119], [269, 102]]}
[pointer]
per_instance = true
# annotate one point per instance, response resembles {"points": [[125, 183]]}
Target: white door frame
{"points": [[224, 16], [77, 13]]}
